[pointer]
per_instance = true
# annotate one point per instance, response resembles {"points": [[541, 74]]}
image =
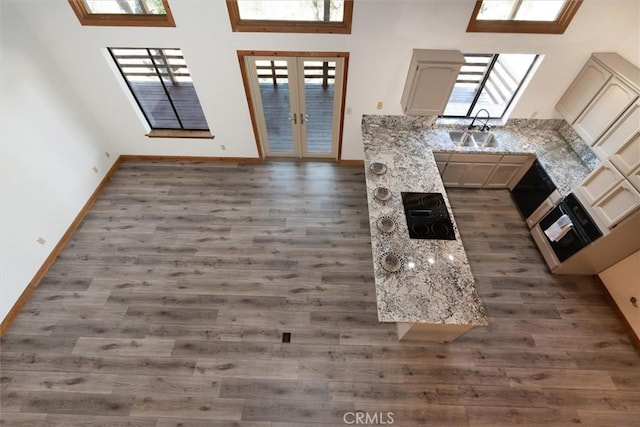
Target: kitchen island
{"points": [[433, 296]]}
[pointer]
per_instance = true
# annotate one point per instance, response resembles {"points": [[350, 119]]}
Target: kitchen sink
{"points": [[461, 138], [484, 139]]}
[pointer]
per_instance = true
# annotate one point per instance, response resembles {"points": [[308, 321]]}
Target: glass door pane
{"points": [[319, 90], [275, 91]]}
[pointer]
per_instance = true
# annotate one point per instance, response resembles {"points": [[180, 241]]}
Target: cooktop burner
{"points": [[427, 216]]}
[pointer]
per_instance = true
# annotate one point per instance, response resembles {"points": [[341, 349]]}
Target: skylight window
{"points": [[523, 16], [145, 13], [291, 16]]}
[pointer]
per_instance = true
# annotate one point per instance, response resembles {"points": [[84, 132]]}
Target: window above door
{"points": [[522, 16], [142, 13], [291, 16]]}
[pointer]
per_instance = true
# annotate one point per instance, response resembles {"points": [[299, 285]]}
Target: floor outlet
{"points": [[286, 337]]}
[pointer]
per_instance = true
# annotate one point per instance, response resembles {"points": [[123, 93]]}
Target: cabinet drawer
{"points": [[475, 158], [627, 157], [622, 131], [599, 182], [617, 204], [515, 159], [441, 157]]}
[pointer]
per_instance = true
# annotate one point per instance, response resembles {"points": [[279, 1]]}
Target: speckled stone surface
{"points": [[586, 154], [440, 288], [566, 162]]}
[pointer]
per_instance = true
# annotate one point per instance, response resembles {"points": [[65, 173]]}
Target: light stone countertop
{"points": [[565, 157], [441, 288]]}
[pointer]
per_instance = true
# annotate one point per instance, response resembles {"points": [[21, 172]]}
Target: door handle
{"points": [[292, 116], [304, 118]]}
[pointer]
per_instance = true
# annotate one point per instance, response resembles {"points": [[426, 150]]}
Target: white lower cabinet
{"points": [[502, 175], [620, 135], [453, 174], [481, 170], [617, 204], [599, 182], [441, 161], [634, 178], [608, 195], [627, 157]]}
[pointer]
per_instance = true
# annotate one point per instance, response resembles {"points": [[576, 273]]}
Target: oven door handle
{"points": [[577, 228]]}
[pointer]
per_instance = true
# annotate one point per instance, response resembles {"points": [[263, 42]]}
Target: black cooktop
{"points": [[427, 216]]}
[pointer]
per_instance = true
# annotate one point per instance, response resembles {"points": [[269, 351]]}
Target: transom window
{"points": [[291, 16], [149, 13], [523, 16], [489, 81], [161, 85]]}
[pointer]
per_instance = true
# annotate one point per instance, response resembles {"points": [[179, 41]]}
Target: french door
{"points": [[297, 104]]}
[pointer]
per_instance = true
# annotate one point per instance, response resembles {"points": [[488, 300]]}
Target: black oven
{"points": [[532, 189], [583, 231]]}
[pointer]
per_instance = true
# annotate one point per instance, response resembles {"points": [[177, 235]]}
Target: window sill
{"points": [[170, 133]]}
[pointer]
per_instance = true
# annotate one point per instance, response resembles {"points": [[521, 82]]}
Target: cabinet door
{"points": [[453, 174], [430, 89], [608, 105], [599, 182], [620, 133], [477, 174], [634, 178], [441, 166], [627, 157], [583, 89], [502, 175], [617, 204]]}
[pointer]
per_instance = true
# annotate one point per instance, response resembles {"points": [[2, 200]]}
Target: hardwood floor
{"points": [[168, 307]]}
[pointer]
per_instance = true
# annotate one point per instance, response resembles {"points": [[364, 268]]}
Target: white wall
{"points": [[49, 143], [384, 32], [63, 105]]}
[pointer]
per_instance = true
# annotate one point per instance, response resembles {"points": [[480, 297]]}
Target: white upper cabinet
{"points": [[583, 89], [621, 144], [607, 106], [602, 92], [430, 80]]}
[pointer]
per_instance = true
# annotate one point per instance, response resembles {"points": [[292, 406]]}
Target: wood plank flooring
{"points": [[168, 306]]}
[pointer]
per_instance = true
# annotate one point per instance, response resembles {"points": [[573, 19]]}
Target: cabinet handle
{"points": [[634, 301]]}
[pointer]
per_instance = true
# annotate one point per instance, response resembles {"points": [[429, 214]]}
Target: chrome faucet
{"points": [[485, 126]]}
